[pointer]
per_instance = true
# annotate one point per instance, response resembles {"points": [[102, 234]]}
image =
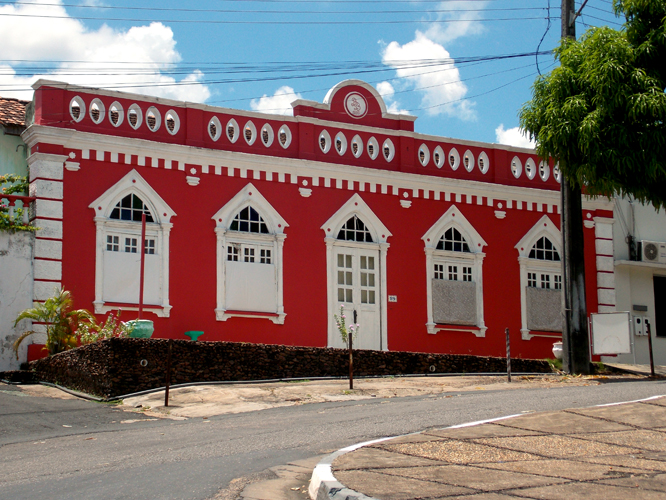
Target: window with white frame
{"points": [[541, 280], [454, 260], [250, 237], [118, 215]]}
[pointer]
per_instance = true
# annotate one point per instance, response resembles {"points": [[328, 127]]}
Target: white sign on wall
{"points": [[611, 333]]}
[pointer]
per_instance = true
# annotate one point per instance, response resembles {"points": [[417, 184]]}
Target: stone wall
{"points": [[121, 366], [15, 294]]}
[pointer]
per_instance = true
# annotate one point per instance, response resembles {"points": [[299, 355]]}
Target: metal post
{"points": [[168, 375], [143, 262], [351, 356], [649, 334], [508, 354]]}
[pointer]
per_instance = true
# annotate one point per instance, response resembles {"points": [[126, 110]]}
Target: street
{"points": [[74, 449]]}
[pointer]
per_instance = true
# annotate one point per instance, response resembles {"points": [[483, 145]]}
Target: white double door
{"points": [[356, 285]]}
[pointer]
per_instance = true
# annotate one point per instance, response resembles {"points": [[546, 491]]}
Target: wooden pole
{"points": [[575, 335], [143, 262], [168, 375]]}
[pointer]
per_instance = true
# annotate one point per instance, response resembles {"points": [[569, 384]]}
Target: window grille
{"points": [[355, 230], [543, 249], [130, 208], [248, 220], [453, 241]]}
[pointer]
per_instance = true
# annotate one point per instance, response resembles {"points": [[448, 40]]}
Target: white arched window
{"points": [[118, 215], [356, 250], [250, 238], [540, 280], [454, 265]]}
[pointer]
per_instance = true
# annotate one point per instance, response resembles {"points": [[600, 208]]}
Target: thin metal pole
{"points": [[508, 354], [351, 354], [143, 262], [649, 334], [168, 375]]}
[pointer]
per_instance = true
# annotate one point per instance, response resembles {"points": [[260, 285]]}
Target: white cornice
{"points": [[72, 139]]}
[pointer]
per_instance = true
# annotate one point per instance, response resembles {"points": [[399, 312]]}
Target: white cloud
{"points": [[463, 22], [136, 60], [440, 84], [387, 92], [513, 137], [279, 103]]}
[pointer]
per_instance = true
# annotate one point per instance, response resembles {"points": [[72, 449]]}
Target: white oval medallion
{"points": [[356, 105]]}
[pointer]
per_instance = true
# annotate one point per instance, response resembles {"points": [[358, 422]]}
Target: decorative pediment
{"points": [[250, 196], [132, 182], [453, 217], [545, 227], [357, 206]]}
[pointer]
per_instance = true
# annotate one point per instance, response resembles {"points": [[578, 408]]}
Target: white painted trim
{"points": [[222, 315], [299, 167], [453, 217], [544, 227], [380, 234], [249, 196], [132, 182], [356, 206]]}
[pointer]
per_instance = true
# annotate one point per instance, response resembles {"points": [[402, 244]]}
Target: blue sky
{"points": [[437, 60]]}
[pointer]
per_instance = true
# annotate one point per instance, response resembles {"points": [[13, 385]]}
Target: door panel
{"points": [[357, 288]]}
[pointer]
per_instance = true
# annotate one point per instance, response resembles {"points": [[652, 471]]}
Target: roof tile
{"points": [[12, 111]]}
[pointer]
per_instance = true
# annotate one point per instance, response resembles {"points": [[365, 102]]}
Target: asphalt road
{"points": [[72, 449]]}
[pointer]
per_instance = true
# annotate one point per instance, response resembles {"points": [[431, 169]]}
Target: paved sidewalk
{"points": [[605, 452]]}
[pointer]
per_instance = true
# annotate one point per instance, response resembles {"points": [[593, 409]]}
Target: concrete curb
{"points": [[324, 485]]}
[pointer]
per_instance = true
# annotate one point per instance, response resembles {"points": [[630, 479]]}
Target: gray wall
{"points": [[16, 250]]}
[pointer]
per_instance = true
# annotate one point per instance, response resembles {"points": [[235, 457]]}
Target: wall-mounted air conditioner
{"points": [[653, 251]]}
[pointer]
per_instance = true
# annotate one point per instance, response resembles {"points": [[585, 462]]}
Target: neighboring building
{"points": [[260, 226], [12, 148], [16, 277], [639, 243]]}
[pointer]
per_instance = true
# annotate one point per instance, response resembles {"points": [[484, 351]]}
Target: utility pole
{"points": [[575, 337]]}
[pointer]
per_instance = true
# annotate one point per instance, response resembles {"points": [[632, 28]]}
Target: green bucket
{"points": [[143, 328]]}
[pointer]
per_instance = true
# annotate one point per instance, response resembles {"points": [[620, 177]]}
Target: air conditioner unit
{"points": [[653, 251]]}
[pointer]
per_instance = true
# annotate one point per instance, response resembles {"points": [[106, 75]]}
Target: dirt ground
{"points": [[209, 400]]}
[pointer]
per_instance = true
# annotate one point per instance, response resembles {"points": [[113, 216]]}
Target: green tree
{"points": [[602, 112], [62, 323]]}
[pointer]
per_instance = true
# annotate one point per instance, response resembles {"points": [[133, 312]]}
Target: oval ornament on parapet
{"points": [[356, 105]]}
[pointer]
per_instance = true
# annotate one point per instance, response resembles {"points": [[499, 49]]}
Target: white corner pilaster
{"points": [[603, 244]]}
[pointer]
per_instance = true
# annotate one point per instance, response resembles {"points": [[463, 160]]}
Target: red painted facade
{"points": [[105, 153]]}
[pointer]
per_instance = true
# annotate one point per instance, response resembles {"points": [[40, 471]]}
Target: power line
{"points": [[255, 11], [340, 70], [282, 22]]}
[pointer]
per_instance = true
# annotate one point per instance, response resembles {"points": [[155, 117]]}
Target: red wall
{"points": [[192, 286]]}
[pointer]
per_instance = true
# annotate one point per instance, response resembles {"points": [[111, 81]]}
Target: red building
{"points": [[260, 226]]}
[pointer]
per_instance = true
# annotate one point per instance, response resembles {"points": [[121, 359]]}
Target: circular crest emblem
{"points": [[356, 105]]}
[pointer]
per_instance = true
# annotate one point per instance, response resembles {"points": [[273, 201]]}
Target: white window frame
{"points": [[159, 230], [544, 227], [474, 259], [250, 196], [380, 234]]}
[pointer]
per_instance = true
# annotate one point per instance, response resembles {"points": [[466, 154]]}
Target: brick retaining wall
{"points": [[114, 367]]}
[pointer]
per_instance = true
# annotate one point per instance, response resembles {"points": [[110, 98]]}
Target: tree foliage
{"points": [[602, 112]]}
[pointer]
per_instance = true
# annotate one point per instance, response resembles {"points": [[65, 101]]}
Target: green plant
{"points": [[89, 332], [61, 322], [17, 185], [555, 364], [345, 331]]}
